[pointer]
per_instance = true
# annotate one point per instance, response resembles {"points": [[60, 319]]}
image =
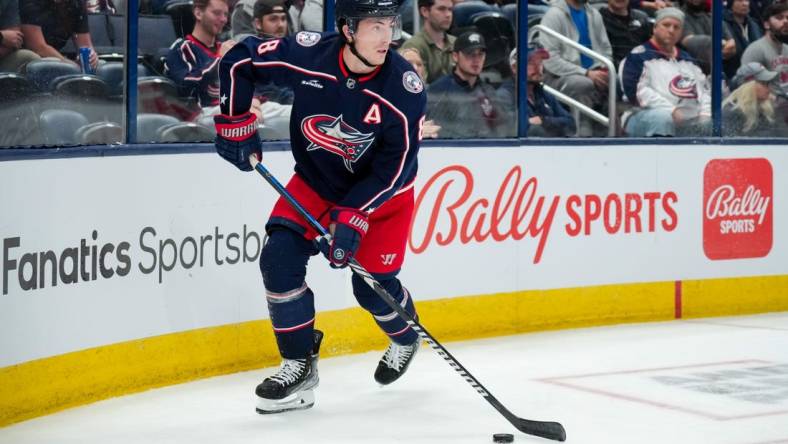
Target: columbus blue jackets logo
{"points": [[683, 87], [307, 38], [412, 82], [334, 135]]}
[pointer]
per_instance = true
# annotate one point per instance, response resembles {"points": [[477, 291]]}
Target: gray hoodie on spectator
{"points": [[565, 60]]}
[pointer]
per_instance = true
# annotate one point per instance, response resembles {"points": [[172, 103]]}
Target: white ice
{"points": [[715, 380]]}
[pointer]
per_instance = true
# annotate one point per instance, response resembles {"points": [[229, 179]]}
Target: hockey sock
{"points": [[387, 319], [293, 318]]}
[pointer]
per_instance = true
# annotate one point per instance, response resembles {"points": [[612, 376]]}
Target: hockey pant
{"points": [[291, 303]]}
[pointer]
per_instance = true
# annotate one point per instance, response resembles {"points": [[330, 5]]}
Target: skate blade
{"points": [[297, 401]]}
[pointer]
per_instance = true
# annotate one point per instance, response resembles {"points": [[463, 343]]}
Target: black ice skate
{"points": [[395, 362], [291, 387]]}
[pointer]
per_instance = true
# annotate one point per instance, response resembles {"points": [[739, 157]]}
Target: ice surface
{"points": [[716, 380]]}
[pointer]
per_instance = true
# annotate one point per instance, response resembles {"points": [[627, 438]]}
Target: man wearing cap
{"points": [[434, 44], [569, 71], [771, 50], [546, 117], [669, 90], [268, 19], [461, 103]]}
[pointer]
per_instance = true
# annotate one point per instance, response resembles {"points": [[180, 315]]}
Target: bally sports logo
{"points": [[737, 208]]}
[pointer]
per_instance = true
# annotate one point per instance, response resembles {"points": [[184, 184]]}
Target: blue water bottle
{"points": [[84, 59]]}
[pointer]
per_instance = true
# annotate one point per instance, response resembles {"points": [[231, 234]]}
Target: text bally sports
{"points": [[449, 211]]}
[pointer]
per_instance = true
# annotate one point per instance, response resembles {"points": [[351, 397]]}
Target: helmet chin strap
{"points": [[355, 52]]}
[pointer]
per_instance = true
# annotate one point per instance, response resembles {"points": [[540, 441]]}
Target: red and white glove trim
{"points": [[351, 217], [236, 128]]}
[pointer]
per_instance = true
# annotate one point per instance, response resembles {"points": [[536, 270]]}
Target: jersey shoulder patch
{"points": [[412, 82], [307, 38]]}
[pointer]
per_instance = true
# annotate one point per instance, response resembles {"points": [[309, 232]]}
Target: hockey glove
{"points": [[350, 226], [237, 138]]}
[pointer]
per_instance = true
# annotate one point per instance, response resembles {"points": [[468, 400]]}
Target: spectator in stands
{"points": [[412, 55], [744, 30], [192, 62], [12, 56], [651, 7], [48, 24], [546, 117], [434, 44], [263, 18], [749, 110], [429, 129], [569, 71], [665, 84], [270, 21], [461, 103], [103, 6], [771, 50], [626, 28], [305, 15], [697, 34]]}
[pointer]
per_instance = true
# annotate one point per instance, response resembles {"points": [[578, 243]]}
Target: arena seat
{"points": [[59, 126], [13, 87], [185, 132], [464, 13], [112, 74], [81, 86], [100, 133], [148, 126], [41, 73], [510, 12], [156, 34], [498, 34], [182, 16]]}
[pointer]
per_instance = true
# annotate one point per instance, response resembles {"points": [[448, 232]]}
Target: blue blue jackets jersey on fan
{"points": [[193, 67], [354, 137]]}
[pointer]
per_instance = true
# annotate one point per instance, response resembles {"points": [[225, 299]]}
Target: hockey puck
{"points": [[503, 437]]}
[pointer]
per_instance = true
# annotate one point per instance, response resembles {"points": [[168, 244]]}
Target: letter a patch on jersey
{"points": [[373, 115]]}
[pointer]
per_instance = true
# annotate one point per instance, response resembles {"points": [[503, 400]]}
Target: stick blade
{"points": [[544, 429]]}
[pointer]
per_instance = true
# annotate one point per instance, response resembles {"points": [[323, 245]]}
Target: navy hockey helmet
{"points": [[350, 12]]}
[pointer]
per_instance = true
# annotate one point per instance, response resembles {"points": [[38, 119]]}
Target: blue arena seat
{"points": [[14, 87], [59, 126], [464, 12], [157, 33], [406, 15], [148, 126], [182, 16], [42, 72], [498, 34], [100, 133], [80, 86], [510, 12], [112, 74], [185, 132]]}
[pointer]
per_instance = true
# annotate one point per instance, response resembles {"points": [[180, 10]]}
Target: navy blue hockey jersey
{"points": [[193, 67], [354, 138]]}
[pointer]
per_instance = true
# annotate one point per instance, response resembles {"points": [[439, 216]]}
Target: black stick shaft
{"points": [[549, 430]]}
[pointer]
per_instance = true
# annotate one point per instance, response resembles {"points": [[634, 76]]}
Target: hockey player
{"points": [[355, 132]]}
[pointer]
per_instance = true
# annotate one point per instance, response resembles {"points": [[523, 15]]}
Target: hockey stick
{"points": [[545, 429]]}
